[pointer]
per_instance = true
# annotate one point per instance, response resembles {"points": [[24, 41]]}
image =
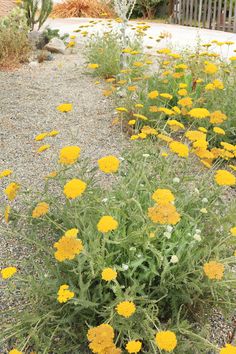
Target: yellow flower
{"points": [[65, 107], [175, 125], [121, 109], [132, 88], [133, 346], [218, 84], [15, 351], [229, 348], [182, 85], [185, 102], [101, 339], [8, 272], [53, 133], [166, 340], [210, 87], [43, 148], [74, 188], [138, 105], [214, 270], [217, 117], [40, 210], [109, 274], [164, 51], [179, 148], [218, 130], [165, 110], [93, 66], [165, 138], [182, 92], [7, 213], [64, 294], [132, 122], [233, 58], [153, 94], [126, 309], [69, 155], [140, 116], [11, 190], [68, 246], [165, 214], [41, 136], [210, 68], [199, 113], [148, 130], [5, 173], [233, 231], [107, 223], [163, 196], [166, 95], [109, 164], [225, 178], [195, 135]]}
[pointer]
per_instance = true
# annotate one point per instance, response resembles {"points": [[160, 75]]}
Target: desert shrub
{"points": [[160, 260], [14, 44], [105, 50], [82, 8]]}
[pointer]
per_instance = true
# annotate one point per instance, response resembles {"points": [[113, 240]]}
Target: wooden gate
{"points": [[212, 14]]}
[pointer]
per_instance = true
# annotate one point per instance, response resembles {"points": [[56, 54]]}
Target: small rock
{"points": [[37, 39], [44, 55], [33, 64], [55, 45]]}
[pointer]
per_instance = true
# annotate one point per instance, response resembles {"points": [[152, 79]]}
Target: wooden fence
{"points": [[212, 14]]}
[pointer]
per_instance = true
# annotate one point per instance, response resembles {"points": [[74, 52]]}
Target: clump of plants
{"points": [[14, 43], [131, 269]]}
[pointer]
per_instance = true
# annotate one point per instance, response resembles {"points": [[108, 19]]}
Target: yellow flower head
{"points": [[214, 270], [43, 148], [8, 272], [199, 113], [175, 125], [179, 148], [225, 178], [195, 135], [210, 68], [5, 173], [182, 92], [109, 274], [229, 348], [217, 117], [106, 224], [164, 214], [64, 294], [166, 95], [11, 190], [153, 94], [185, 102], [65, 107], [7, 213], [140, 116], [15, 351], [68, 247], [163, 196], [166, 340], [93, 66], [40, 210], [101, 339], [126, 309], [69, 155], [133, 346], [219, 131], [41, 136], [109, 164], [74, 188], [233, 231]]}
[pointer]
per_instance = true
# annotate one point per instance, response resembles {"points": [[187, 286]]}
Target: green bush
{"points": [[14, 44], [159, 266]]}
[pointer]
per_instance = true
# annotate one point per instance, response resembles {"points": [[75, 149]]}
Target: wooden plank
{"points": [[230, 16], [204, 15], [183, 11], [191, 13], [218, 26], [200, 13], [224, 15], [187, 12], [234, 27], [180, 12], [213, 26], [209, 14], [196, 3]]}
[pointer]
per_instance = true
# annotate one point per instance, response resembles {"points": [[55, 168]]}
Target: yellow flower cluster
{"points": [[166, 340], [109, 164], [74, 188], [69, 155], [214, 270], [228, 349], [11, 190], [109, 274], [64, 294], [163, 212], [68, 247], [40, 210], [126, 309], [106, 224], [101, 340], [8, 272]]}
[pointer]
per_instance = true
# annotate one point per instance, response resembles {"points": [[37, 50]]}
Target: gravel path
{"points": [[28, 101]]}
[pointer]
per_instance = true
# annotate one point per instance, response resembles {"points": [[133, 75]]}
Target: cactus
{"points": [[37, 14]]}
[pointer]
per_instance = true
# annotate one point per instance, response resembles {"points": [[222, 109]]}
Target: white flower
{"points": [[176, 180], [167, 234], [204, 211], [139, 255], [146, 155], [104, 200], [196, 191], [174, 259], [198, 231], [169, 228], [197, 237], [125, 266], [205, 200]]}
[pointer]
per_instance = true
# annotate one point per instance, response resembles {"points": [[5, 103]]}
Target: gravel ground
{"points": [[28, 101]]}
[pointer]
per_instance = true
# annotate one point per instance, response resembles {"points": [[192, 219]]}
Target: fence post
{"points": [[200, 14]]}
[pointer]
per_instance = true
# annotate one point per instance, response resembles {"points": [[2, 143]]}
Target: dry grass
{"points": [[82, 8]]}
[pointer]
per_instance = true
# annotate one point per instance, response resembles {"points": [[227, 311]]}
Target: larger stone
{"points": [[37, 39], [55, 45]]}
